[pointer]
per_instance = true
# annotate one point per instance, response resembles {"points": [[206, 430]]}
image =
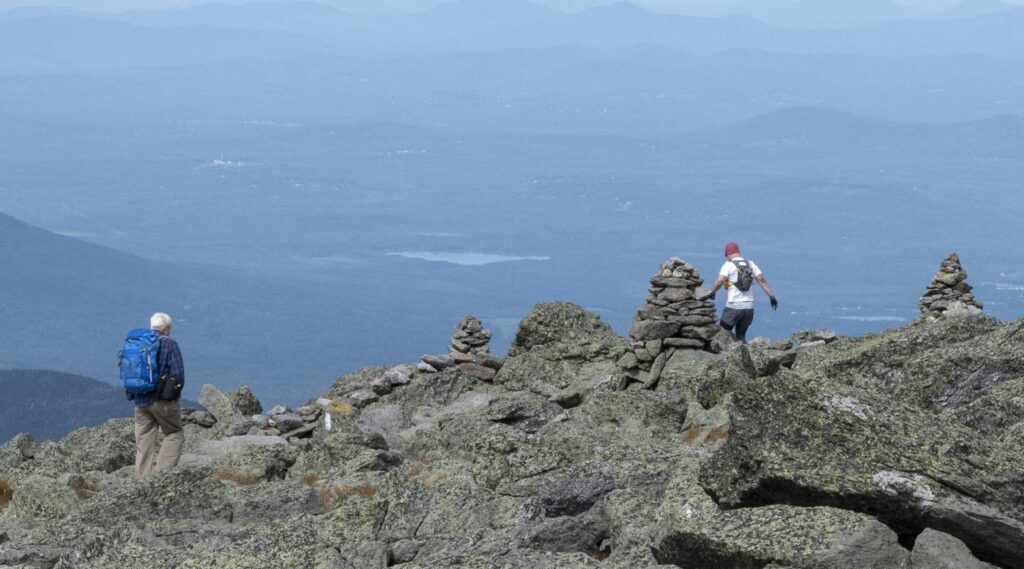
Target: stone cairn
{"points": [[468, 351], [949, 291], [678, 314], [470, 337]]}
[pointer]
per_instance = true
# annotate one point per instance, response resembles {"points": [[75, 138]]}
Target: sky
{"points": [[389, 6]]}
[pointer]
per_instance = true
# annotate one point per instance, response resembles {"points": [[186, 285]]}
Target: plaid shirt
{"points": [[169, 364]]}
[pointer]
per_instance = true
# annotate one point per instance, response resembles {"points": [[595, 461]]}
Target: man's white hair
{"points": [[160, 321]]}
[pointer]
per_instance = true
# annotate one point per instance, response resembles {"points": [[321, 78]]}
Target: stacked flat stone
{"points": [[949, 291], [470, 337], [468, 352], [678, 314]]}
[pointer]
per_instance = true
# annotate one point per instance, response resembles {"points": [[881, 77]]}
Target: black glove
{"points": [[775, 303], [713, 293]]}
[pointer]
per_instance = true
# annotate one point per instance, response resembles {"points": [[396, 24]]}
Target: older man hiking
{"points": [[153, 374], [738, 276]]}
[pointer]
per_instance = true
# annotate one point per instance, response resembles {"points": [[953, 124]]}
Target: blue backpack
{"points": [[137, 360]]}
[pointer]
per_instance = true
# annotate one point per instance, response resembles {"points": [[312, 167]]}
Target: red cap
{"points": [[731, 248]]}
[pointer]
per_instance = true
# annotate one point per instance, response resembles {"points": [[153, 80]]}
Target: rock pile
{"points": [[678, 314], [468, 352], [470, 337], [949, 291], [240, 413]]}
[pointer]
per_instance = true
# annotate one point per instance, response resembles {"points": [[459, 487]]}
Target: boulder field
{"points": [[896, 450]]}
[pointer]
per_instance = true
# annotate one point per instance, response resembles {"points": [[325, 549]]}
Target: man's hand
{"points": [[775, 303]]}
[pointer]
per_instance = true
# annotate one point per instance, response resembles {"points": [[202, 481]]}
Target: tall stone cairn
{"points": [[949, 291], [470, 337], [678, 315]]}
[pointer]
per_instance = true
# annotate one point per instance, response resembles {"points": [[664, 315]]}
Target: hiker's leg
{"points": [[168, 414], [728, 321], [145, 440], [743, 324]]}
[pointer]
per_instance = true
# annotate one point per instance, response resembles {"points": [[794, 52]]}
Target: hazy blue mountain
{"points": [[970, 8], [810, 131], [639, 91], [794, 13], [226, 32], [268, 331], [304, 17], [50, 404], [89, 42]]}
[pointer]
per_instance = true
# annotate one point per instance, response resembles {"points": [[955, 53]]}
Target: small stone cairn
{"points": [[470, 337], [949, 291], [468, 351], [678, 314]]}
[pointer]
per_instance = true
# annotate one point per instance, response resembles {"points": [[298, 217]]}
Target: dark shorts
{"points": [[737, 321]]}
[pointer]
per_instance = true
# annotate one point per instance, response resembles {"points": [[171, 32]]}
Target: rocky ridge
{"points": [[891, 450]]}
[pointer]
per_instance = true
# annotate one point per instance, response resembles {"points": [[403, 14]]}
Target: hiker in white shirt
{"points": [[737, 276]]}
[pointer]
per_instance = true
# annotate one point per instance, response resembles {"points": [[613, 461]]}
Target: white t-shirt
{"points": [[737, 298]]}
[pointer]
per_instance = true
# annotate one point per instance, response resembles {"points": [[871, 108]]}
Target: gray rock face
{"points": [[870, 454], [936, 550], [245, 401], [286, 422], [678, 315], [560, 346], [949, 292], [218, 405], [813, 336], [761, 456]]}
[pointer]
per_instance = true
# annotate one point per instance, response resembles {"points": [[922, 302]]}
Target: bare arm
{"points": [[764, 285], [718, 284]]}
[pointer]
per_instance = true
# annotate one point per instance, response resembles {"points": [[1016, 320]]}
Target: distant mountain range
{"points": [[806, 13], [50, 404], [809, 131], [281, 30]]}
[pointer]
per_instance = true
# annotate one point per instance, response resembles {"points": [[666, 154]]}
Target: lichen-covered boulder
{"points": [[560, 345], [706, 378], [245, 401], [816, 442], [106, 448], [693, 531], [936, 550], [561, 330], [41, 498]]}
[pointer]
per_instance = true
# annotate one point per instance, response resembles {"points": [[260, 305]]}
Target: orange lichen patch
{"points": [[311, 479], [432, 480], [342, 409], [717, 434], [237, 478], [6, 494], [333, 496], [692, 434]]}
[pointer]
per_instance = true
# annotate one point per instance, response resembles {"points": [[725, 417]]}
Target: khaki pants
{"points": [[167, 416]]}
